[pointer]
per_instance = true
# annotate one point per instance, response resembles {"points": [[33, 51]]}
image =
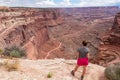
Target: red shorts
{"points": [[82, 61]]}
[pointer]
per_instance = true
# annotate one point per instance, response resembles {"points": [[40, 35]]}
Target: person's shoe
{"points": [[72, 72], [82, 77]]}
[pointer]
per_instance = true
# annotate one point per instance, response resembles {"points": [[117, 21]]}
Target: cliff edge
{"points": [[59, 68]]}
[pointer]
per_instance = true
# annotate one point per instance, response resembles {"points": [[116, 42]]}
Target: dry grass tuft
{"points": [[11, 65]]}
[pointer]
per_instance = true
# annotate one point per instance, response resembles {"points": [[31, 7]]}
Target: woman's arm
{"points": [[77, 55], [88, 55]]}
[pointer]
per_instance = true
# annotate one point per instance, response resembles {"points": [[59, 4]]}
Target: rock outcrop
{"points": [[108, 54], [59, 68], [114, 37]]}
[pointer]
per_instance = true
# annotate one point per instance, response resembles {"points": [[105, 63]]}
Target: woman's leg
{"points": [[83, 72], [75, 69]]}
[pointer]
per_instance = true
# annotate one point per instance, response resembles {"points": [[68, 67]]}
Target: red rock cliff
{"points": [[109, 52], [114, 37], [27, 28]]}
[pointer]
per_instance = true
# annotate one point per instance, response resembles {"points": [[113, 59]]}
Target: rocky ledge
{"points": [[59, 69]]}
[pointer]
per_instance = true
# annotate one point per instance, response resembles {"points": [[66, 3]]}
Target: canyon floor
{"points": [[59, 68]]}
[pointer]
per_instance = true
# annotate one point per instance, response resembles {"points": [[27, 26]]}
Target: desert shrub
{"points": [[11, 65], [14, 51], [113, 72], [49, 75]]}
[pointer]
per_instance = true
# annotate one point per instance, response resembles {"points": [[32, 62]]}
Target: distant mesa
{"points": [[4, 8]]}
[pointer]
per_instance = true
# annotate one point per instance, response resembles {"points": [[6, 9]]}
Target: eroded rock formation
{"points": [[114, 37], [109, 52]]}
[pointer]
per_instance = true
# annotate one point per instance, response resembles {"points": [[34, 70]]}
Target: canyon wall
{"points": [[109, 51], [57, 33], [27, 28]]}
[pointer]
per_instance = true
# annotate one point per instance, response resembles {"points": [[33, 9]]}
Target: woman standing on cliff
{"points": [[82, 59]]}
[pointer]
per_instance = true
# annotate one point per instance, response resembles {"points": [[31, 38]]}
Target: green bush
{"points": [[14, 51], [113, 72]]}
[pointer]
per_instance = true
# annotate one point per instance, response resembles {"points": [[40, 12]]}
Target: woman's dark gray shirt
{"points": [[83, 51]]}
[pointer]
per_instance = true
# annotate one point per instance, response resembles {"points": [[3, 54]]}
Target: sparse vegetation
{"points": [[14, 51], [11, 65], [49, 75], [113, 72], [1, 51]]}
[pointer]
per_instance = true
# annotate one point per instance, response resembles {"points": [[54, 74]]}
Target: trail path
{"points": [[53, 50]]}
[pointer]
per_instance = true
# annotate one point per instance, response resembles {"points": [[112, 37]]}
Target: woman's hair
{"points": [[84, 43]]}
